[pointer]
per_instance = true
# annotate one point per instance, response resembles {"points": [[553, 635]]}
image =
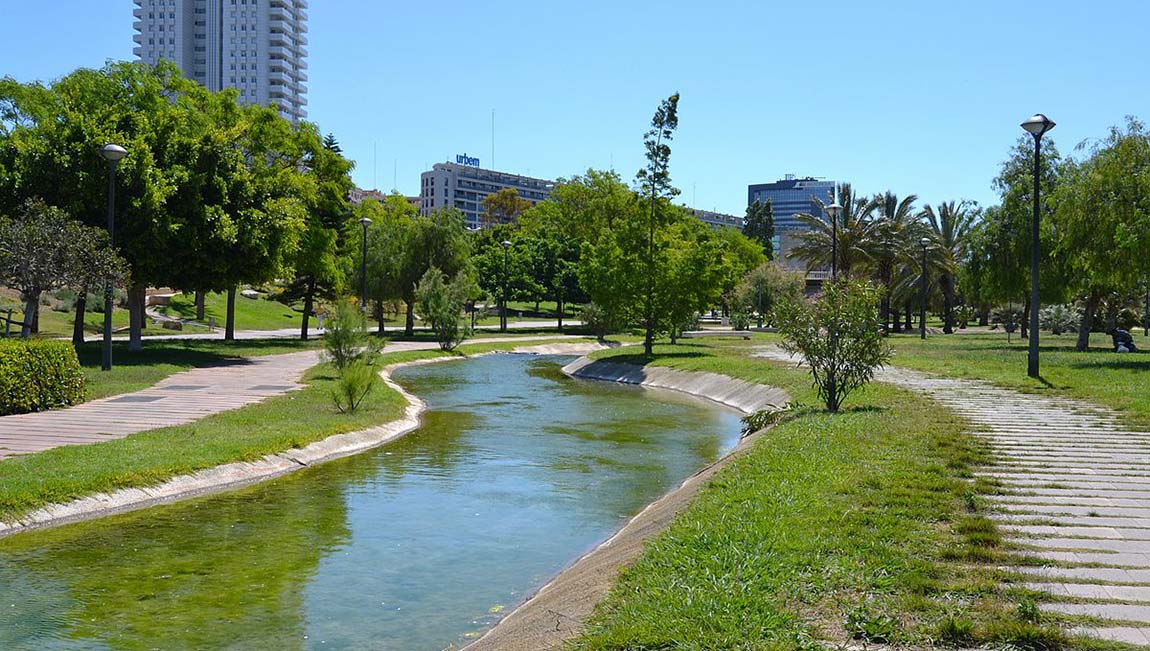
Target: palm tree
{"points": [[950, 226], [895, 221], [855, 234]]}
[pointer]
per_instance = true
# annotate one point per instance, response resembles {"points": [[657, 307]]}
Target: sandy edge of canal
{"points": [[231, 476], [557, 611]]}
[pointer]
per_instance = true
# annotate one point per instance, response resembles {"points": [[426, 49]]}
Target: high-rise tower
{"points": [[256, 46]]}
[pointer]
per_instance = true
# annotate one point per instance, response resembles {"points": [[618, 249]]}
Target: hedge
{"points": [[36, 375]]}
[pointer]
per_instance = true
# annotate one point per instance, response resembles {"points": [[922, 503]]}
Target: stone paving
{"points": [[177, 400], [1077, 494]]}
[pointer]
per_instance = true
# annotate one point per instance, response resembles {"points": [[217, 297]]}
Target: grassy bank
{"points": [[148, 458], [860, 526]]}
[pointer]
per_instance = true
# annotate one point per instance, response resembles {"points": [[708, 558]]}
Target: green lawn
{"points": [[147, 458], [59, 324], [1121, 382], [860, 525], [159, 359], [251, 313]]}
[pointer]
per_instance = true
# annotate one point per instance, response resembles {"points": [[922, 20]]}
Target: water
{"points": [[418, 545]]}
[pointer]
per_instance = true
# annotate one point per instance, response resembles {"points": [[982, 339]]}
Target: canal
{"points": [[419, 545]]}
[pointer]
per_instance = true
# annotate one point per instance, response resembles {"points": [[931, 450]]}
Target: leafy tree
{"points": [[438, 240], [388, 242], [42, 249], [1103, 219], [765, 286], [441, 302], [856, 234], [693, 273], [740, 254], [655, 178], [950, 226], [837, 335], [504, 207], [760, 226]]}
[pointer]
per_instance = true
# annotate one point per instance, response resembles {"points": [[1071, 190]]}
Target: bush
{"points": [[740, 320], [441, 304], [38, 375], [597, 320], [1058, 318], [838, 335], [765, 286], [346, 338], [356, 380]]}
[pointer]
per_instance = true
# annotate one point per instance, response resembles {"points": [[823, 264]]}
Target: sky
{"points": [[920, 97]]}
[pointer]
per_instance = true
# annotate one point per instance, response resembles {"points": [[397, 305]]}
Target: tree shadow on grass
{"points": [[640, 359], [188, 353], [1129, 361]]}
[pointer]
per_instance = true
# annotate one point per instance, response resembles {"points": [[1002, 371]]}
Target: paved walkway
{"points": [[179, 399], [1077, 494], [315, 333]]}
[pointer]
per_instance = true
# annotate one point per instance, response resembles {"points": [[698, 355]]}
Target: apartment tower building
{"points": [[258, 47]]}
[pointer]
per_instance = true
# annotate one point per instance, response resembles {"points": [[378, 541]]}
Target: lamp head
{"points": [[1038, 124], [364, 221], [113, 153], [834, 210], [506, 244], [925, 242]]}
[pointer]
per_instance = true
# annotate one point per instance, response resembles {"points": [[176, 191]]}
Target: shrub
{"points": [[1058, 318], [839, 335], [740, 320], [766, 285], [597, 320], [441, 304], [38, 375], [346, 338], [356, 380]]}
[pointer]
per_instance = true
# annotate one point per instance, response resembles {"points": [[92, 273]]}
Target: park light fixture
{"points": [[925, 242], [833, 211], [1036, 126], [364, 222], [112, 153], [503, 312]]}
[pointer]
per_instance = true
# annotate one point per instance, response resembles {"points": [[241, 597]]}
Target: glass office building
{"points": [[788, 198]]}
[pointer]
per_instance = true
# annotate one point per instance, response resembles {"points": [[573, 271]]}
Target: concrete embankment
{"points": [[236, 475], [556, 612]]}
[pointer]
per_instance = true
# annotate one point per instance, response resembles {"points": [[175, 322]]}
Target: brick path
{"points": [[179, 399], [1077, 494]]}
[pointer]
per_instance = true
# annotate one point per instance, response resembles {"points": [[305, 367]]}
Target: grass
{"points": [[251, 313], [1118, 381], [860, 526], [132, 371], [281, 423]]}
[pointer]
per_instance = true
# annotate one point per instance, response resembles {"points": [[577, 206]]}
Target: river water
{"points": [[419, 545]]}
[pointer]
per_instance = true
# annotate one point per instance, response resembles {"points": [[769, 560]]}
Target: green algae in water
{"points": [[516, 472]]}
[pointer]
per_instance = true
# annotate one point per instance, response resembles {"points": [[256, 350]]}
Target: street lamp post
{"points": [[365, 222], [833, 211], [1036, 126], [113, 154], [925, 242], [503, 312]]}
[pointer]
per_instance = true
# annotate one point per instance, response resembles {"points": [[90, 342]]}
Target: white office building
{"points": [[256, 46], [464, 185]]}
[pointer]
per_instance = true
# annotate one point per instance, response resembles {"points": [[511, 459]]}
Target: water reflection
{"points": [[516, 471]]}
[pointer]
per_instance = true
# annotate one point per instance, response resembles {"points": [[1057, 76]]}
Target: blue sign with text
{"points": [[464, 159]]}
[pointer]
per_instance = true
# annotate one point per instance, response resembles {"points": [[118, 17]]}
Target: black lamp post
{"points": [[365, 222], [1036, 126], [925, 242], [503, 312], [833, 211], [113, 154]]}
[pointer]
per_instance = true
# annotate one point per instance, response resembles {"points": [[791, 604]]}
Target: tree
{"points": [[895, 228], [504, 207], [42, 249], [855, 235], [950, 228], [438, 240], [837, 335], [765, 286], [441, 301], [760, 226], [388, 243], [656, 178], [1102, 219], [331, 144]]}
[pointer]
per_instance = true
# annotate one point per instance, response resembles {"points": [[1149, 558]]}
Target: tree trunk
{"points": [[380, 316], [984, 316], [78, 323], [884, 312], [31, 305], [308, 306], [895, 320], [201, 295], [230, 318], [1087, 323], [137, 295], [409, 325], [909, 315], [560, 305], [674, 336], [948, 304], [36, 318]]}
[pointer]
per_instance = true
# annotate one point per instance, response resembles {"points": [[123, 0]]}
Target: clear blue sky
{"points": [[915, 97]]}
